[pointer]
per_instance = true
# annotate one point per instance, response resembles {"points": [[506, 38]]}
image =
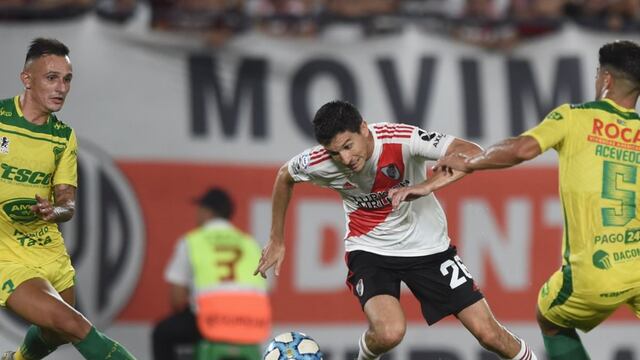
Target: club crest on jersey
{"points": [[391, 171], [348, 186], [4, 145], [360, 288]]}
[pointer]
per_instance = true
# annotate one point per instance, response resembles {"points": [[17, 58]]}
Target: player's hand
{"points": [[44, 209], [409, 193], [457, 161], [272, 254]]}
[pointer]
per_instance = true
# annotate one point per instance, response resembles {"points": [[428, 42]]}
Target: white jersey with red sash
{"points": [[400, 153]]}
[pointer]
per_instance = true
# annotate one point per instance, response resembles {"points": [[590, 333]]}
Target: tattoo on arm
{"points": [[65, 202]]}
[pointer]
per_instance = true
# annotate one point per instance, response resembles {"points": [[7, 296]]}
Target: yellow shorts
{"points": [[59, 273], [582, 311]]}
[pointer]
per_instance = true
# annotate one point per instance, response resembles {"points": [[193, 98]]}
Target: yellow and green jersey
{"points": [[33, 159], [598, 145]]}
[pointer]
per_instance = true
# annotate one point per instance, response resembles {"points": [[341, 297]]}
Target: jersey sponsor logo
{"points": [[601, 260], [610, 152], [430, 135], [376, 200], [4, 145], [615, 132], [105, 239], [19, 210], [614, 294], [630, 236], [6, 113], [554, 115], [391, 171], [38, 237], [372, 200], [626, 255], [23, 175]]}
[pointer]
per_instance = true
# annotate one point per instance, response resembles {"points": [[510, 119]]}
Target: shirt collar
{"points": [[217, 223]]}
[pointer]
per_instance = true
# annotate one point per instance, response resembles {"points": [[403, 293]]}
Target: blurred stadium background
{"points": [[171, 96]]}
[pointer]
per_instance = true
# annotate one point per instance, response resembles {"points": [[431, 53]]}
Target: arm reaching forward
{"points": [[504, 154], [439, 179]]}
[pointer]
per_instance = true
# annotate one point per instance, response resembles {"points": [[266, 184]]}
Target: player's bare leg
{"points": [[40, 342], [387, 326], [479, 320], [39, 303], [56, 322], [560, 343]]}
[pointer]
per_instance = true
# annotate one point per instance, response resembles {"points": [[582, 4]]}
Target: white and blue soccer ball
{"points": [[293, 346]]}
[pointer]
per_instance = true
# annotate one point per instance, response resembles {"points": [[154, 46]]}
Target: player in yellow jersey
{"points": [[38, 178], [598, 145]]}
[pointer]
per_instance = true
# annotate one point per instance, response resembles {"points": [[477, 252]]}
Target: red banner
{"points": [[165, 192]]}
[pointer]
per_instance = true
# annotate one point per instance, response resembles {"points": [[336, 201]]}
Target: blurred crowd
{"points": [[492, 24]]}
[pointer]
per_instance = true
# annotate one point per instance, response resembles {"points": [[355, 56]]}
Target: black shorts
{"points": [[440, 281]]}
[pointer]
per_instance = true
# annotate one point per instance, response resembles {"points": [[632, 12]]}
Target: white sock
{"points": [[525, 352], [364, 353]]}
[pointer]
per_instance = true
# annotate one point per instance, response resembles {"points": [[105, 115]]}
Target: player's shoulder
{"points": [[60, 129], [316, 161], [607, 106], [5, 102], [561, 112], [392, 132], [7, 108], [314, 157]]}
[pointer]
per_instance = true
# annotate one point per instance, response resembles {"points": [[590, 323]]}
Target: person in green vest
{"points": [[218, 304]]}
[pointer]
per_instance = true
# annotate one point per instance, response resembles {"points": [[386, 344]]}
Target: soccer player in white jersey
{"points": [[396, 229]]}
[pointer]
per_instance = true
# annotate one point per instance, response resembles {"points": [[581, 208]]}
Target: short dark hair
{"points": [[218, 201], [41, 46], [622, 56], [333, 118]]}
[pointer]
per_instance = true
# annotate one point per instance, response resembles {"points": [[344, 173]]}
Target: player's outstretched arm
{"points": [[506, 153], [63, 207], [273, 252], [439, 179]]}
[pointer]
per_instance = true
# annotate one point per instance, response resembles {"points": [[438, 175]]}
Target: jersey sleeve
{"points": [[552, 130], [431, 145], [178, 271], [66, 169], [307, 166]]}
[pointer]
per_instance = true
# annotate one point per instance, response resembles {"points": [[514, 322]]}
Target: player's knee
{"points": [[546, 327], [489, 337], [389, 336]]}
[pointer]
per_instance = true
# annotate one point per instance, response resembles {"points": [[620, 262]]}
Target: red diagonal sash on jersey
{"points": [[362, 220]]}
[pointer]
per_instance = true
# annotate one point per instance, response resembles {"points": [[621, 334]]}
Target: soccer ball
{"points": [[293, 346]]}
